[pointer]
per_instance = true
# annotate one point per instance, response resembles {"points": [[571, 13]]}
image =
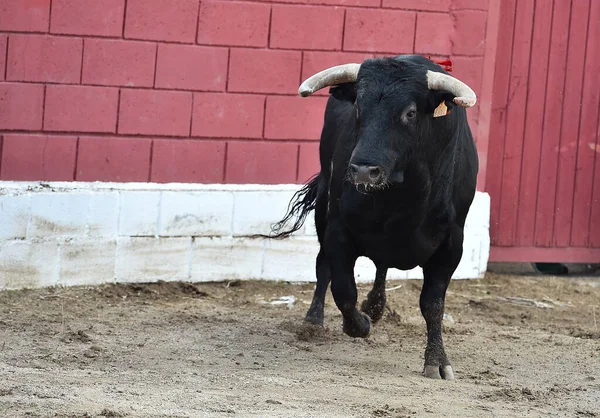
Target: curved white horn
{"points": [[346, 73], [465, 96]]}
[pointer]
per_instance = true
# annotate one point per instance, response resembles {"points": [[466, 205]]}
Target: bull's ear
{"points": [[345, 92], [439, 96]]}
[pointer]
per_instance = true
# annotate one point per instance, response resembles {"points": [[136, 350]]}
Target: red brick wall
{"points": [[197, 91]]}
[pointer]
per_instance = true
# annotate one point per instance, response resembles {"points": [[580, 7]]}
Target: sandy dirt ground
{"points": [[222, 350]]}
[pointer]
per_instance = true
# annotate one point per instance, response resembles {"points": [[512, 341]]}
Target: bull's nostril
{"points": [[367, 174], [374, 173]]}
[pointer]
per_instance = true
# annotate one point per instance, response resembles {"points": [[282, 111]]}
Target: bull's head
{"points": [[395, 101]]}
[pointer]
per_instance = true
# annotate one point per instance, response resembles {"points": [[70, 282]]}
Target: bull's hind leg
{"points": [[315, 312], [437, 273], [374, 304], [341, 256]]}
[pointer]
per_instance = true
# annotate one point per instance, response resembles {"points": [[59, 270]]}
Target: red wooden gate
{"points": [[543, 169]]}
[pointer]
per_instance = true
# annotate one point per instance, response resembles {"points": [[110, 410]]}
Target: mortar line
{"points": [[82, 59], [49, 16], [124, 19], [5, 70], [150, 161], [198, 22], [75, 166]]}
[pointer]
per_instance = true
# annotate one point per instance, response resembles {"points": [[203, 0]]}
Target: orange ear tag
{"points": [[441, 110]]}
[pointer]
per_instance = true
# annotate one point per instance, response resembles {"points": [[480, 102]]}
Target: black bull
{"points": [[398, 175]]}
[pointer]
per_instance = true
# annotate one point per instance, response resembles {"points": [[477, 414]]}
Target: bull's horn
{"points": [[346, 73], [464, 95]]}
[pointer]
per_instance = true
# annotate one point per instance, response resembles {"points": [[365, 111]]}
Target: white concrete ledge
{"points": [[91, 233]]}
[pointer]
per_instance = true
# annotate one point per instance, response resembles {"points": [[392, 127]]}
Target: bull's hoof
{"points": [[357, 325], [314, 319], [373, 306], [314, 316], [439, 372]]}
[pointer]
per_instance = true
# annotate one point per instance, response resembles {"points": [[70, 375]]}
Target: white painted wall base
{"points": [[91, 233]]}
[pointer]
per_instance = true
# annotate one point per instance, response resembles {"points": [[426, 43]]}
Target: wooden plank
{"points": [[515, 122], [532, 141], [486, 95], [586, 154], [544, 224], [498, 117], [543, 255], [569, 137]]}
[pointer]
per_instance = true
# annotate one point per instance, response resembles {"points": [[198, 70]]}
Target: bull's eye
{"points": [[409, 114]]}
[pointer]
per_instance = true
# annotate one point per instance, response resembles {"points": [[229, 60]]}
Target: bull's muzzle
{"points": [[366, 174]]}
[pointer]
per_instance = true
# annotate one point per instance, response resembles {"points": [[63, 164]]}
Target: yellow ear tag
{"points": [[441, 110]]}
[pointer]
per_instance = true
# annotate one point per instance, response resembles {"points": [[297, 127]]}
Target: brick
{"points": [[155, 112], [43, 58], [138, 215], [38, 157], [261, 162], [291, 259], [79, 17], [217, 259], [233, 23], [174, 21], [433, 33], [428, 5], [470, 4], [24, 15], [58, 214], [87, 262], [27, 264], [386, 31], [21, 106], [3, 46], [264, 71], [81, 108], [478, 216], [103, 220], [470, 71], [195, 213], [191, 67], [141, 259], [468, 37], [309, 226], [315, 61], [14, 212], [113, 159], [294, 117], [308, 162], [256, 211], [320, 28], [188, 161], [119, 63], [228, 115]]}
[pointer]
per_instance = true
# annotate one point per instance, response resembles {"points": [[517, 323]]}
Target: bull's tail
{"points": [[300, 205]]}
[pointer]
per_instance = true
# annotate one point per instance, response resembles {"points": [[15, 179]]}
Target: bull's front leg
{"points": [[341, 254], [374, 304], [437, 273]]}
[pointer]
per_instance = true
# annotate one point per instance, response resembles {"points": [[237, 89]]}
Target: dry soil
{"points": [[224, 350]]}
